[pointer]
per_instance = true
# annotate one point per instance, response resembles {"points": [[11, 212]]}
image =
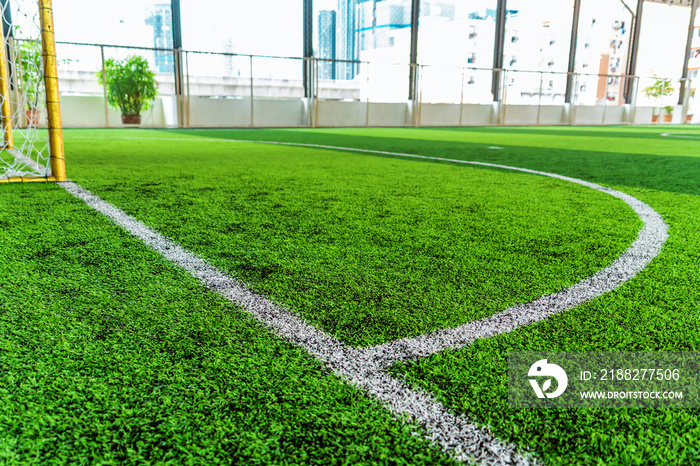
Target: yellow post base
{"points": [[28, 179]]}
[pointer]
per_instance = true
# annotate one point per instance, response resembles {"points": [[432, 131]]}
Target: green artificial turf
{"points": [[370, 249], [112, 355]]}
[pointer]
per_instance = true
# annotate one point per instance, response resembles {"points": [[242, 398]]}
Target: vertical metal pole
{"points": [[177, 55], [252, 120], [104, 84], [605, 99], [574, 100], [6, 18], [661, 109], [420, 98], [634, 48], [461, 99], [314, 97], [8, 35], [308, 30], [503, 100], [188, 113], [5, 110], [367, 99], [688, 47], [53, 106], [413, 63], [572, 52], [498, 45], [686, 101], [632, 82], [539, 98]]}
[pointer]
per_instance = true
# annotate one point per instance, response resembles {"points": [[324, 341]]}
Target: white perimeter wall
{"points": [[89, 111]]}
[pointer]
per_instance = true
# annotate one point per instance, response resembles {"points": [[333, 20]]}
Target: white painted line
{"points": [[363, 367], [648, 245], [456, 434], [680, 135]]}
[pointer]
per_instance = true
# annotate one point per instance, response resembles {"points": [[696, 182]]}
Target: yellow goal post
{"points": [[32, 148]]}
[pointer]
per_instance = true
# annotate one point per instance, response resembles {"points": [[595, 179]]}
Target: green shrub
{"points": [[131, 85]]}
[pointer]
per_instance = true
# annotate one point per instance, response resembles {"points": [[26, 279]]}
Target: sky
{"points": [[274, 27], [265, 27]]}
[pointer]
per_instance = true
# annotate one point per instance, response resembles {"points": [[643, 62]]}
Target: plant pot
{"points": [[668, 118], [654, 118], [131, 119], [33, 116], [689, 118]]}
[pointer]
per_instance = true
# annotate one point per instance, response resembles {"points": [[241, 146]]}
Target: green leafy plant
{"points": [[131, 85], [661, 87], [668, 109], [30, 74]]}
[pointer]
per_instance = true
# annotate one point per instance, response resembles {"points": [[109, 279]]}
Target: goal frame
{"points": [[53, 104]]}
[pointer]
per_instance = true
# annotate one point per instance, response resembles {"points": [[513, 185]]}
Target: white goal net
{"points": [[25, 153]]}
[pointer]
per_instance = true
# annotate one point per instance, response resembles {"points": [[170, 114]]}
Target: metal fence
{"points": [[243, 90]]}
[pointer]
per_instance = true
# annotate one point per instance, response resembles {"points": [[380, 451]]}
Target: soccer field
{"points": [[357, 247]]}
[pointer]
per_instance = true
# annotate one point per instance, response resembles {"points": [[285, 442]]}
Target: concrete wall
{"points": [[387, 114], [208, 112], [89, 111], [533, 115], [340, 113], [219, 112]]}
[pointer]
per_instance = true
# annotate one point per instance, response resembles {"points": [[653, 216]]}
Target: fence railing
{"points": [[230, 89]]}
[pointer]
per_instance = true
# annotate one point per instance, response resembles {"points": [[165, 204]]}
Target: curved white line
{"points": [[647, 245], [365, 367]]}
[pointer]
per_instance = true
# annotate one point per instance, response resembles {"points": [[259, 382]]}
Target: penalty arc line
{"points": [[364, 367], [646, 247]]}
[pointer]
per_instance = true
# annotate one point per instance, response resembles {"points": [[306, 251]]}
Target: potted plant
{"points": [[668, 113], [661, 87], [131, 86], [655, 114], [691, 106]]}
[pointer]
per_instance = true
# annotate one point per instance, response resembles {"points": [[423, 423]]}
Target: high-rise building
{"points": [[347, 38], [161, 20], [378, 21], [601, 57], [327, 35], [229, 64]]}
